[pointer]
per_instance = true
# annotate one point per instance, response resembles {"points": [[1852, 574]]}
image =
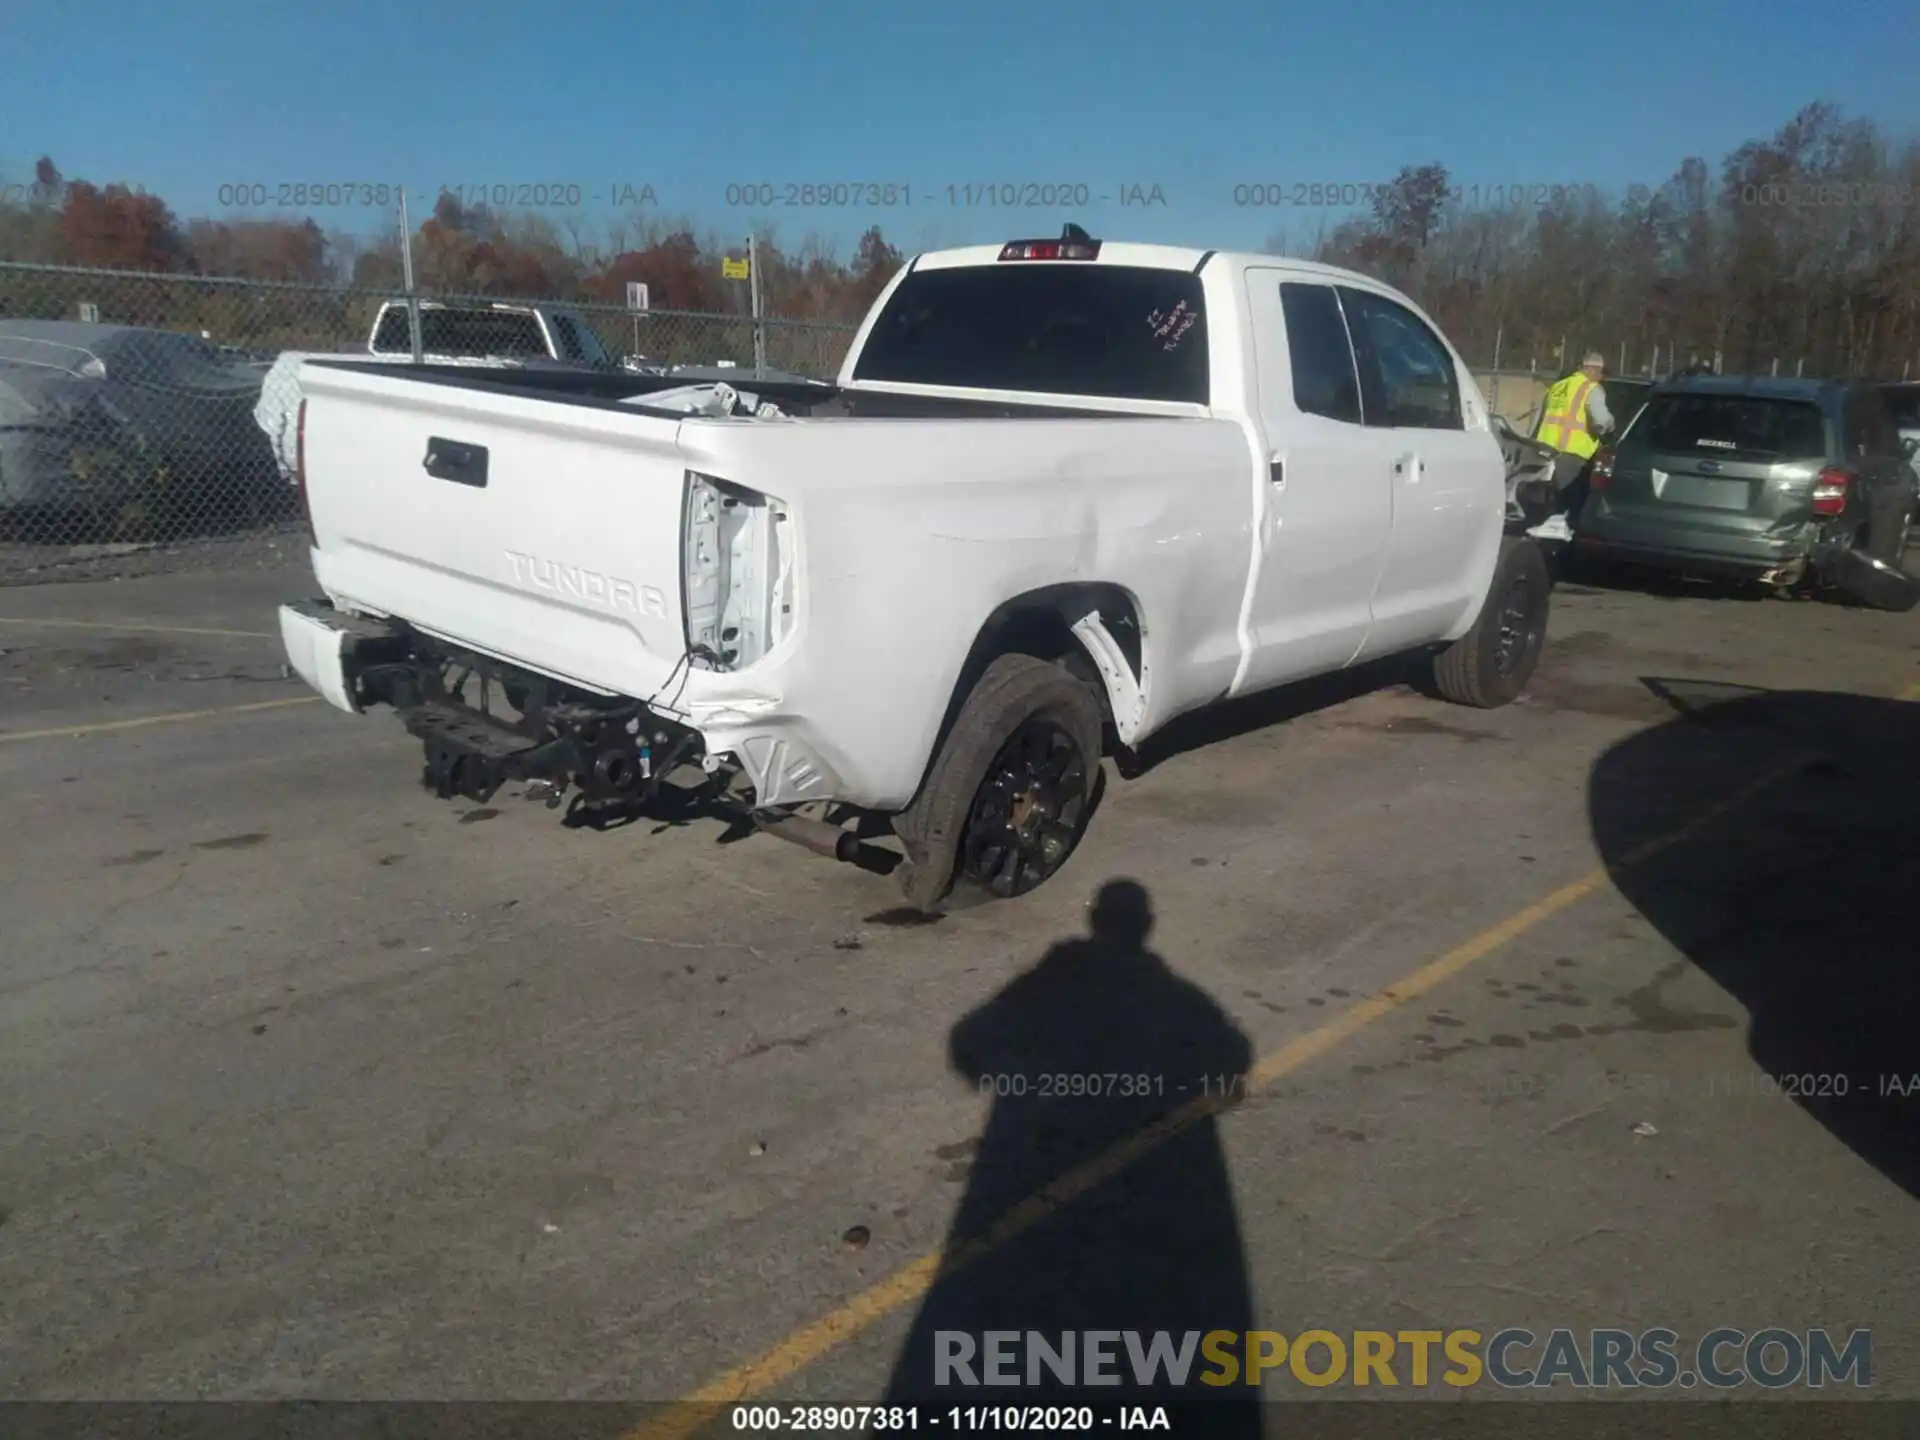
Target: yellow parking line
{"points": [[171, 718], [137, 628], [807, 1344]]}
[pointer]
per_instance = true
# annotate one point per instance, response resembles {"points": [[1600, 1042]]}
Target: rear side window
{"points": [[1624, 399], [393, 333], [1118, 332], [1406, 374], [577, 340], [1324, 379], [566, 339], [1737, 426], [1870, 429], [1903, 403]]}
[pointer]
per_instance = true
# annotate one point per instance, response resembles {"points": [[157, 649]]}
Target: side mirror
{"points": [[1910, 447]]}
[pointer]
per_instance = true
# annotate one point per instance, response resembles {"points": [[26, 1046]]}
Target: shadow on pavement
{"points": [[1154, 1245], [1802, 900], [1230, 719]]}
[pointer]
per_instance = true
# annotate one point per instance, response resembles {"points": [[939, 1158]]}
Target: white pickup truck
{"points": [[1063, 492]]}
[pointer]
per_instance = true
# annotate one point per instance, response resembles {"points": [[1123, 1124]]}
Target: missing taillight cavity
{"points": [[1830, 492], [737, 572]]}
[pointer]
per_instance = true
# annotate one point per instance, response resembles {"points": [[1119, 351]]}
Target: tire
{"points": [[1023, 718], [1490, 665]]}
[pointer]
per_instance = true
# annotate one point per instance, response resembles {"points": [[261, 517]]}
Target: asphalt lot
{"points": [[313, 1085]]}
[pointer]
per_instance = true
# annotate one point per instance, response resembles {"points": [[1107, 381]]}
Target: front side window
{"points": [[1407, 377]]}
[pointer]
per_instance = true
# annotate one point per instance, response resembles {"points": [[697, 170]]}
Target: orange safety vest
{"points": [[1564, 424]]}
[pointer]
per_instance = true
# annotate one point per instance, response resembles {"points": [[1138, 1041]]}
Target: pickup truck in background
{"points": [[491, 330], [501, 334], [1063, 492]]}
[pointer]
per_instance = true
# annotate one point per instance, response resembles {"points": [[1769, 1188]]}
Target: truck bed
{"points": [[823, 399], [545, 520]]}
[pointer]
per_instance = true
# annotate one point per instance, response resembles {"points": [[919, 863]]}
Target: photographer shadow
{"points": [[1799, 901], [1098, 1197]]}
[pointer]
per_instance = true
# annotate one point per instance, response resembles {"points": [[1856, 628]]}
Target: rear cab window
{"points": [[469, 333], [1731, 427], [1117, 332]]}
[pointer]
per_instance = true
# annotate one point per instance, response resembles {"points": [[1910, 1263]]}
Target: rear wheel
{"points": [[1011, 790], [1490, 665]]}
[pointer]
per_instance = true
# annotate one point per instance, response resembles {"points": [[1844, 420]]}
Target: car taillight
{"points": [[1830, 491], [300, 471], [1601, 475]]}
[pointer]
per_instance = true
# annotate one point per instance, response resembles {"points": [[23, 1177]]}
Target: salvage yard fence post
{"points": [[406, 275]]}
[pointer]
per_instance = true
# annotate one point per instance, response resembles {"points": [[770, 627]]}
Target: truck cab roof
{"points": [[1150, 257]]}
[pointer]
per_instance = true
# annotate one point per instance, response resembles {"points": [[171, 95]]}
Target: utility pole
{"points": [[406, 275], [759, 328]]}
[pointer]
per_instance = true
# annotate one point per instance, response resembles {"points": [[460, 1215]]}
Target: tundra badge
{"points": [[575, 582]]}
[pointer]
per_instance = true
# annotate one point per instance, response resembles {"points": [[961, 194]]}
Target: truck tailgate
{"points": [[541, 531]]}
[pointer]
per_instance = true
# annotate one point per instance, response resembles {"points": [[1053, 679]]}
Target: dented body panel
{"points": [[903, 554], [805, 590]]}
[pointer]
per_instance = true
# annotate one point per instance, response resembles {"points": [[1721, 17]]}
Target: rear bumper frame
{"points": [[615, 752], [609, 748]]}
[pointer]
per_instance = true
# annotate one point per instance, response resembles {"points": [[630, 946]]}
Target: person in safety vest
{"points": [[1571, 421], [1573, 416]]}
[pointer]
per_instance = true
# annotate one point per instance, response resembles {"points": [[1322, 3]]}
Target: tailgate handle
{"points": [[453, 460]]}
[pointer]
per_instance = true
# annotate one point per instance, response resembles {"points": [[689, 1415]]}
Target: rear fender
{"points": [[1094, 628]]}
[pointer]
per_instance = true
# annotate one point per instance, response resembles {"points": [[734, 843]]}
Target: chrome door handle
{"points": [[1407, 468]]}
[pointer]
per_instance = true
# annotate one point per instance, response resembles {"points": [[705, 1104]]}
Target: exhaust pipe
{"points": [[824, 839], [815, 835]]}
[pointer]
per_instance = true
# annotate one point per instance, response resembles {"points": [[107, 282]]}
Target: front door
{"points": [[1448, 478], [1325, 507]]}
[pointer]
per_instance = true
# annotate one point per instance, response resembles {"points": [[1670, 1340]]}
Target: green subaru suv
{"points": [[1756, 478]]}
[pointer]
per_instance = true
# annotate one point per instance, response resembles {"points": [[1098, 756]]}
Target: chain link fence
{"points": [[147, 421]]}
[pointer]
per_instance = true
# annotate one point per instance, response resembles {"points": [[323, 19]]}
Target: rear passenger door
{"points": [[1323, 511], [1448, 480]]}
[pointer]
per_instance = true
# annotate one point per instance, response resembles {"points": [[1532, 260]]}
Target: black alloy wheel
{"points": [[1028, 810]]}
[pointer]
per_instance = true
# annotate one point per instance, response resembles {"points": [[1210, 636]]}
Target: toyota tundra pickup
{"points": [[1062, 492]]}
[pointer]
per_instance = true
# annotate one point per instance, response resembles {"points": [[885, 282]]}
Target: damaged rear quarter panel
{"points": [[910, 533]]}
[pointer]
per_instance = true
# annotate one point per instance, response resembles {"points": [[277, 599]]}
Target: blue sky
{"points": [[1193, 98]]}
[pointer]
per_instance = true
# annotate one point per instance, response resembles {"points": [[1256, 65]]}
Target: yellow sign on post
{"points": [[735, 267]]}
